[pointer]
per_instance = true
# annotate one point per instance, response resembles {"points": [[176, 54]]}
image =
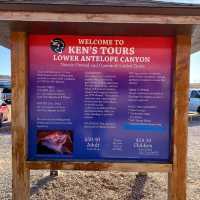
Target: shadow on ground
{"points": [[194, 122], [5, 128], [138, 187], [40, 183]]}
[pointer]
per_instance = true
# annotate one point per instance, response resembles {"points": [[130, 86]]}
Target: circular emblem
{"points": [[57, 45]]}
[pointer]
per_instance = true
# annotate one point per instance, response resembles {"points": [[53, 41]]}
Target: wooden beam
{"points": [[100, 18], [177, 178], [20, 181], [98, 166]]}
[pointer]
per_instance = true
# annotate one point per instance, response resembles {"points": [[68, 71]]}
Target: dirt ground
{"points": [[76, 185]]}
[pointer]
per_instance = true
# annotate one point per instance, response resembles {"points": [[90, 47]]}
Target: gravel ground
{"points": [[76, 185]]}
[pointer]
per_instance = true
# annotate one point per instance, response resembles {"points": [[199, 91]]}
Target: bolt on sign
{"points": [[100, 98]]}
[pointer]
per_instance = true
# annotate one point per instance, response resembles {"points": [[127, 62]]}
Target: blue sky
{"points": [[4, 61], [194, 64], [195, 67]]}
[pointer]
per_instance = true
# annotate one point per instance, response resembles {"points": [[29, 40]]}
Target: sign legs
{"points": [[20, 181]]}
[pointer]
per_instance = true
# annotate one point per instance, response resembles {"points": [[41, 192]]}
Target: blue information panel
{"points": [[100, 98]]}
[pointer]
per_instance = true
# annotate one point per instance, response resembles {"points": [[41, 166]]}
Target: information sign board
{"points": [[100, 98]]}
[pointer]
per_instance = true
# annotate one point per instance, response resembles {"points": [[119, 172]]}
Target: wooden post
{"points": [[20, 181], [177, 178]]}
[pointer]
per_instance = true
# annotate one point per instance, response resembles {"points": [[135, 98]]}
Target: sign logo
{"points": [[57, 45]]}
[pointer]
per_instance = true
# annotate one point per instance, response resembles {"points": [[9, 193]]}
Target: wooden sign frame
{"points": [[21, 167]]}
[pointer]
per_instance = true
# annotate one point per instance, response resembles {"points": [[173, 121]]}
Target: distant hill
{"points": [[194, 85], [5, 77], [5, 81]]}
